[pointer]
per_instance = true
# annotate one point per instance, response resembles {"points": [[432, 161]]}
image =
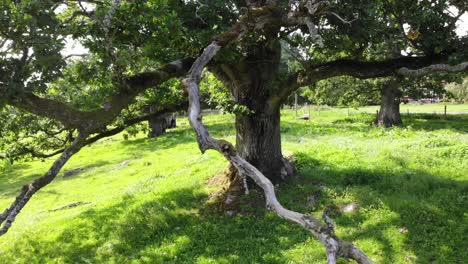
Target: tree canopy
{"points": [[260, 50]]}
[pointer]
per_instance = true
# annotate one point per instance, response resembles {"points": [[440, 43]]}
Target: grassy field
{"points": [[148, 201]]}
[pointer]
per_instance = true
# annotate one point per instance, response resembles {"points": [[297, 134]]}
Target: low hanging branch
{"points": [[28, 190], [8, 216], [324, 232]]}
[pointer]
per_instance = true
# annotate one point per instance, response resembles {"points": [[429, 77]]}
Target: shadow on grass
{"points": [[12, 180], [428, 208], [179, 227], [175, 227], [175, 137], [431, 122]]}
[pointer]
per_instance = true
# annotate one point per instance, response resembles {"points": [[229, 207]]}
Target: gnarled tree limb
{"points": [[355, 68], [433, 68], [334, 246], [28, 190], [93, 121]]}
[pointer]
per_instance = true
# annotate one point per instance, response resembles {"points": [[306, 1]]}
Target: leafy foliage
{"points": [[459, 91]]}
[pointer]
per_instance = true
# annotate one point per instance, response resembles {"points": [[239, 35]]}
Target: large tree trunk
{"points": [[252, 81], [335, 247], [258, 140], [389, 114]]}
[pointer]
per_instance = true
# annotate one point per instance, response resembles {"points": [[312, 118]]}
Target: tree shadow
{"points": [[419, 210], [174, 227], [11, 182], [432, 122], [179, 227], [175, 137], [73, 173], [362, 123]]}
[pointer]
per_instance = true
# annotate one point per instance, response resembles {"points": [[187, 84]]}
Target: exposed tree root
{"points": [[232, 189]]}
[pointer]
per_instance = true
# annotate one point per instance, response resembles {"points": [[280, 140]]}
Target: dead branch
{"points": [[334, 246]]}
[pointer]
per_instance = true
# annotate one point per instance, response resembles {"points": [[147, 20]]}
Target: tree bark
{"points": [[252, 82], [335, 247], [258, 141], [159, 124], [389, 114]]}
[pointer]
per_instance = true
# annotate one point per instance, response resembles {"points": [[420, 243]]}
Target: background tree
{"points": [[458, 91]]}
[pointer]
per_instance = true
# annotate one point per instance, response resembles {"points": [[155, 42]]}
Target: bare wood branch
{"points": [[75, 55], [340, 18], [335, 247]]}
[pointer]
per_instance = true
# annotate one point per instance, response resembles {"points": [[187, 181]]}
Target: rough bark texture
{"points": [[389, 114], [434, 68], [258, 140], [324, 232], [251, 82], [93, 121], [159, 124], [28, 190]]}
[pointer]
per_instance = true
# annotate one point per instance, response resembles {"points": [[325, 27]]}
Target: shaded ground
{"points": [[410, 185]]}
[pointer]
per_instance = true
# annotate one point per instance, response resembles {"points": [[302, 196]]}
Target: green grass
{"points": [[156, 209]]}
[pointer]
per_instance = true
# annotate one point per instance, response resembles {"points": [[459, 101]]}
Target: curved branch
{"points": [[355, 68], [335, 247], [28, 190], [361, 69], [93, 121]]}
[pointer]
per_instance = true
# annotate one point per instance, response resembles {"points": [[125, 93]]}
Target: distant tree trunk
{"points": [[158, 126], [389, 114], [160, 123], [252, 82]]}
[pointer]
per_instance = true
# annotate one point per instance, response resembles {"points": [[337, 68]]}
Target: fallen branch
{"points": [[67, 206], [324, 232]]}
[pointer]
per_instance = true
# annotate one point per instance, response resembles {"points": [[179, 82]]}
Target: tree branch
{"points": [[359, 69], [433, 68], [8, 216], [93, 121], [28, 190], [335, 247]]}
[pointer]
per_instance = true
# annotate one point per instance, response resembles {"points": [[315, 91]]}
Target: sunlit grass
{"points": [[410, 184]]}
